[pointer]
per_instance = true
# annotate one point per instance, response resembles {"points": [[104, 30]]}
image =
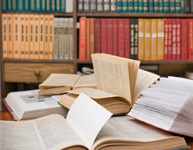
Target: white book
{"points": [[69, 6]]}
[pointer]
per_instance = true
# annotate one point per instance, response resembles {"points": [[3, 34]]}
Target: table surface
{"points": [[4, 115]]}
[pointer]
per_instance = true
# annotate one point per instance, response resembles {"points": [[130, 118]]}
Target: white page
{"points": [[87, 117]]}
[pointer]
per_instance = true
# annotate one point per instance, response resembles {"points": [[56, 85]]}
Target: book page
{"points": [[86, 81], [46, 133], [144, 80], [55, 80], [87, 118]]}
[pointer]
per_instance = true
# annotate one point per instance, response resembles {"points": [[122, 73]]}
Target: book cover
{"points": [[141, 30], [147, 44], [174, 50], [153, 41], [103, 35], [26, 55], [127, 38], [178, 26], [166, 31], [100, 5], [184, 38], [93, 5], [132, 43], [31, 36], [5, 34], [160, 39], [110, 36], [115, 36], [97, 35], [121, 35]]}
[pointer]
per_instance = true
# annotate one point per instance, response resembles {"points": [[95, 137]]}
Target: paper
{"points": [[87, 117]]}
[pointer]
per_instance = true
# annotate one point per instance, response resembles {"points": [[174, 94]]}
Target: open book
{"points": [[119, 83], [167, 105], [27, 105], [60, 83]]}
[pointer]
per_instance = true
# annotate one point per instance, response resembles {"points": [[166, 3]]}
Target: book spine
{"points": [[20, 5], [31, 36], [26, 55], [140, 6], [160, 39], [147, 43], [187, 6], [56, 38], [172, 6], [119, 6], [51, 35], [156, 6], [88, 39], [9, 5], [22, 46], [132, 34], [166, 6], [61, 42], [110, 36], [53, 5], [80, 5], [151, 6], [100, 5], [153, 48], [173, 39], [91, 37], [178, 6], [14, 5], [124, 6], [63, 4], [97, 35], [32, 5], [136, 8], [127, 38], [26, 5], [191, 7], [115, 37], [36, 36], [178, 26], [184, 38], [121, 35], [48, 5], [41, 38], [71, 31], [43, 5], [4, 5], [145, 6], [141, 39], [169, 39], [86, 5], [66, 39], [103, 35], [136, 39], [190, 39], [106, 5], [10, 36], [57, 4], [16, 37], [113, 6], [131, 5], [38, 5], [5, 34], [182, 6], [93, 5], [166, 30], [161, 6], [82, 38]]}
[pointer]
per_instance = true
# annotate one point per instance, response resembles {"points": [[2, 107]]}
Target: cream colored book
{"points": [[119, 83], [60, 83]]}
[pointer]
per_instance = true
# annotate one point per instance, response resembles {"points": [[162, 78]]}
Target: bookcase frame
{"points": [[6, 87]]}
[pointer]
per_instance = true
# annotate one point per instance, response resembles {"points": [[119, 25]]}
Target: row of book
{"points": [[36, 36], [38, 5], [142, 39], [135, 6]]}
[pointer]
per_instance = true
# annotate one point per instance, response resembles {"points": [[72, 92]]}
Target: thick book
{"points": [[60, 83], [160, 39], [132, 37], [169, 38], [136, 39], [121, 35], [10, 37], [91, 37], [97, 35], [184, 39], [115, 36], [167, 104], [190, 38], [174, 50], [31, 36], [178, 27], [127, 38], [187, 6], [166, 31], [153, 36], [147, 39], [110, 36], [117, 92], [141, 38], [103, 35]]}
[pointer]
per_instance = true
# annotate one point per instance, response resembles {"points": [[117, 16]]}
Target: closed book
{"points": [[4, 5], [58, 5], [172, 6], [66, 6], [127, 38], [178, 26], [16, 37], [26, 5], [88, 38], [56, 38], [106, 5], [14, 5], [136, 39], [166, 6], [93, 5], [80, 5], [184, 38], [51, 36], [187, 6], [136, 7], [103, 35], [140, 2], [26, 55], [131, 5], [151, 6], [32, 5], [190, 39], [5, 34], [20, 5], [91, 36], [119, 6], [100, 5], [178, 6], [174, 50], [61, 43], [43, 5], [86, 5], [10, 36], [161, 6], [97, 35], [41, 37], [153, 42], [36, 36], [132, 34], [22, 43], [191, 6], [156, 6], [82, 38], [46, 37], [71, 34], [169, 38], [182, 6], [166, 31], [115, 36], [113, 6], [121, 35], [145, 6], [38, 5], [160, 39], [141, 25], [9, 5], [125, 6], [53, 5], [31, 36], [110, 36], [147, 41], [48, 5]]}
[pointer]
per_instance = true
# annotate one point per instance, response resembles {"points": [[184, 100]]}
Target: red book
{"points": [[178, 39], [127, 38], [110, 36], [190, 38], [97, 35], [115, 37], [184, 39], [174, 39], [169, 39], [104, 35], [166, 31], [82, 38], [121, 37]]}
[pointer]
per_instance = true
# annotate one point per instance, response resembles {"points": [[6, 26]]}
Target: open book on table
{"points": [[60, 83], [167, 105], [119, 83], [87, 126]]}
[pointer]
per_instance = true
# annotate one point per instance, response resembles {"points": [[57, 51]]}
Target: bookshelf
{"points": [[40, 69]]}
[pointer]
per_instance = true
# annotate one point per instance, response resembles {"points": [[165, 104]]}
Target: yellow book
{"points": [[153, 39], [91, 37], [31, 36], [51, 34], [16, 35], [22, 43], [160, 39], [41, 37], [88, 39], [141, 25], [36, 37], [46, 39], [147, 41], [5, 34], [10, 36], [26, 55]]}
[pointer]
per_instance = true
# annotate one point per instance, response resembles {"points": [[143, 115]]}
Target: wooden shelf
{"points": [[84, 61], [145, 15]]}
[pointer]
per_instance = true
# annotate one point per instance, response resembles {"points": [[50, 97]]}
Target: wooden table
{"points": [[5, 116]]}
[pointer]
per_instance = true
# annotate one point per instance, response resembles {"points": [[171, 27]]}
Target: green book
{"points": [[151, 6], [48, 6], [38, 5], [9, 5], [20, 5], [161, 6], [145, 6], [156, 6], [43, 5], [4, 5], [14, 5], [53, 5], [140, 6], [166, 6], [26, 5], [131, 6], [32, 5], [178, 6], [124, 6], [63, 6], [57, 5], [119, 6], [182, 6], [172, 6], [136, 8]]}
